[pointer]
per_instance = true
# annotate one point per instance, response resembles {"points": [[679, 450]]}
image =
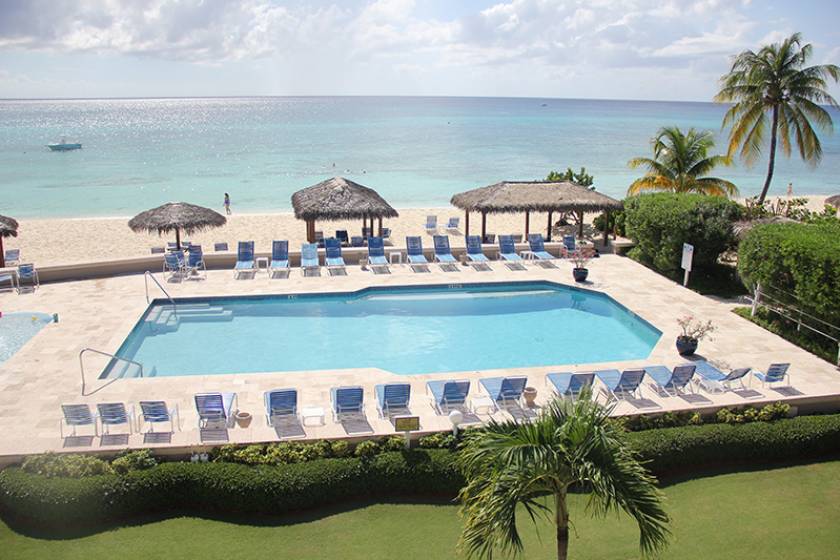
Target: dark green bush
{"points": [[799, 259], [366, 449], [65, 465], [744, 415], [660, 223], [128, 461], [439, 440]]}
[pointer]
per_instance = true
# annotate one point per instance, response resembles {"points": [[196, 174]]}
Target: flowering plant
{"points": [[582, 256], [695, 329]]}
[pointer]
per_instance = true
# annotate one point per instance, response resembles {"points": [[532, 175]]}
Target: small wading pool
{"points": [[17, 328], [406, 330]]}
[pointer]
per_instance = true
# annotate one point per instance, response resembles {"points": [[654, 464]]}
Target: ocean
{"points": [[417, 152]]}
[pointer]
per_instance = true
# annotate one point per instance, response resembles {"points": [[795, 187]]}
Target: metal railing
{"points": [[146, 276], [107, 354]]}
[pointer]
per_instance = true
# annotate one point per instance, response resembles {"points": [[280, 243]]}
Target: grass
{"points": [[805, 339], [791, 513]]}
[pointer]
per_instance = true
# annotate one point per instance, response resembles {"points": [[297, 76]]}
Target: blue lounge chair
{"points": [[504, 390], [343, 237], [215, 408], [621, 385], [453, 224], [569, 243], [367, 232], [156, 412], [357, 241], [347, 401], [715, 381], [115, 414], [570, 384], [443, 254], [385, 233], [431, 224], [776, 373], [376, 255], [280, 404], [392, 398], [279, 258], [174, 265], [10, 278], [74, 416], [244, 258], [507, 251], [319, 238], [27, 274], [195, 262], [537, 246], [12, 257], [671, 382], [220, 247], [474, 251], [309, 261], [414, 250], [448, 395], [333, 258], [157, 250]]}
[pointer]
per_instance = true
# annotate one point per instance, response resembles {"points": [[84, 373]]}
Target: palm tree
{"points": [[679, 163], [775, 80], [511, 464]]}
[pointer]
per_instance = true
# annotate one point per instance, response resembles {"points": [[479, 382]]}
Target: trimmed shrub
{"points": [[367, 449], [69, 466], [801, 259], [660, 223], [139, 460]]}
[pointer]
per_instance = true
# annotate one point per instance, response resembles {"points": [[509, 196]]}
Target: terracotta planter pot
{"points": [[529, 394], [243, 419]]}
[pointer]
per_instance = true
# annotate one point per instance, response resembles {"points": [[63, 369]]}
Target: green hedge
{"points": [[660, 223], [803, 259], [67, 504]]}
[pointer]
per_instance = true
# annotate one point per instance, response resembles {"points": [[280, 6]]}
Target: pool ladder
{"points": [[114, 358], [146, 276]]}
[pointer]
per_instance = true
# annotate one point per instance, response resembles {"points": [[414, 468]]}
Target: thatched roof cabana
{"points": [[8, 228], [741, 228], [533, 196], [177, 217], [833, 201], [339, 199]]}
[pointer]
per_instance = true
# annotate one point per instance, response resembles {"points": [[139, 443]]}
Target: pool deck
{"points": [[100, 313]]}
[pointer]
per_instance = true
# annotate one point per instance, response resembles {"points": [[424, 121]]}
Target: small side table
{"points": [[395, 256], [482, 404], [312, 413], [262, 264], [527, 255]]}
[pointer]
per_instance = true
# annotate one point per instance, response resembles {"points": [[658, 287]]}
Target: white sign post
{"points": [[687, 257]]}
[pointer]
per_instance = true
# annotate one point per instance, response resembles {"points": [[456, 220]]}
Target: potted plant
{"points": [[530, 394], [243, 419], [581, 258], [693, 331]]}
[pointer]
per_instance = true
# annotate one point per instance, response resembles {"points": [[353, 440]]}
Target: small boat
{"points": [[64, 146]]}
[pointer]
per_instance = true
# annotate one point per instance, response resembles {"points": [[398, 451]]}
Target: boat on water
{"points": [[64, 146]]}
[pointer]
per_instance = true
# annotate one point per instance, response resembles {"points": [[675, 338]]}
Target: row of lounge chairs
{"points": [[25, 277], [333, 260], [498, 393], [431, 225]]}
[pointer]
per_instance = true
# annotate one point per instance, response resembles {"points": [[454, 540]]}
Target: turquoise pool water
{"points": [[407, 330], [17, 328]]}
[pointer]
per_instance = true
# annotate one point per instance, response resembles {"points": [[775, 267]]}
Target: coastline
{"points": [[60, 241]]}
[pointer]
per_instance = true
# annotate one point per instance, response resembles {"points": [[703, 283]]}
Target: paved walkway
{"points": [[100, 313]]}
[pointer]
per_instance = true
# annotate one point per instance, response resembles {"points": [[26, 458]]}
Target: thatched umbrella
{"points": [[533, 196], [833, 201], [339, 199], [741, 228], [177, 216], [8, 228]]}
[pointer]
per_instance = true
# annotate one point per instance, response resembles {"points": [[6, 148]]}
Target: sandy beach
{"points": [[48, 242]]}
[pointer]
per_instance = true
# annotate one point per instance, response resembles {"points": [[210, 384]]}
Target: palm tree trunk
{"points": [[772, 162], [561, 519]]}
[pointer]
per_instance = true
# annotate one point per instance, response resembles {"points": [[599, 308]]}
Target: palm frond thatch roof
{"points": [[8, 227], [173, 216], [340, 199], [534, 196], [741, 228], [833, 201]]}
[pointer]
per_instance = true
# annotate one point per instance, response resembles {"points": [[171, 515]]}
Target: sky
{"points": [[623, 49]]}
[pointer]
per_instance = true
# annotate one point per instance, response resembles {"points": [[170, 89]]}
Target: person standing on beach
{"points": [[227, 204]]}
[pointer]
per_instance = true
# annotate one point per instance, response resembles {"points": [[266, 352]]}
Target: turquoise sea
{"points": [[139, 153]]}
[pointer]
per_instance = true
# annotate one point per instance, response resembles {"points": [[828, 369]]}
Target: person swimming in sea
{"points": [[227, 204]]}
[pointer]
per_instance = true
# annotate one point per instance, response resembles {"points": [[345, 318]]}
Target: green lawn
{"points": [[785, 513]]}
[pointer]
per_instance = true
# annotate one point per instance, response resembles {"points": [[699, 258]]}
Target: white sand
{"points": [[67, 241]]}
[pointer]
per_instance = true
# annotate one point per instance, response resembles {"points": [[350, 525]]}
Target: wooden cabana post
{"points": [[527, 223], [466, 223], [549, 228], [483, 227]]}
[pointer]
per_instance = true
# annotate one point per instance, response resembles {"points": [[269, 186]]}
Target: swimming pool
{"points": [[17, 328], [405, 330]]}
